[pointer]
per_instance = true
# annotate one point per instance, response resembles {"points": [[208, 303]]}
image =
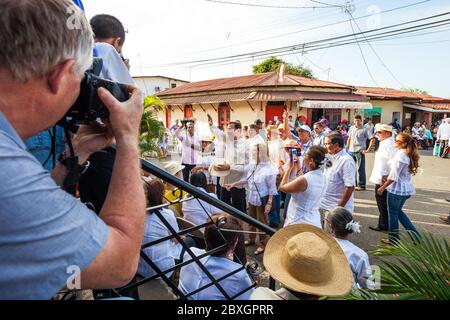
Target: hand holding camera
{"points": [[124, 117]]}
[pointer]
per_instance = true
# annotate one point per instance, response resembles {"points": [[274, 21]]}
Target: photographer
{"points": [[40, 73], [190, 146]]}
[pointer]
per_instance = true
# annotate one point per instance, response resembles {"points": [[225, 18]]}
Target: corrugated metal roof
{"points": [[212, 98], [303, 95], [256, 80]]}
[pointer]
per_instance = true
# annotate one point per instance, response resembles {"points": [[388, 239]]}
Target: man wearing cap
{"points": [[307, 262], [190, 147], [325, 124], [380, 171], [357, 144], [262, 132]]}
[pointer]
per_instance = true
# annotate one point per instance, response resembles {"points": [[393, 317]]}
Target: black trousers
{"points": [[383, 220], [235, 197], [187, 171]]}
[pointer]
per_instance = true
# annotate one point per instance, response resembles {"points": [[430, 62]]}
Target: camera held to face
{"points": [[89, 106]]}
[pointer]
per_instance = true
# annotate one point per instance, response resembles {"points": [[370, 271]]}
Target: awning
{"points": [[423, 108], [305, 95], [316, 104], [212, 98]]}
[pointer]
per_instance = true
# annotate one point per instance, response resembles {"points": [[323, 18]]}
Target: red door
{"points": [[224, 114], [168, 117], [274, 113], [188, 112]]}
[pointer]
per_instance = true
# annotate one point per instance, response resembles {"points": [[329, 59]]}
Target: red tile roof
{"points": [[257, 80]]}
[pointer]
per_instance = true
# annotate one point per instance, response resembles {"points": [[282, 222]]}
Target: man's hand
{"points": [[363, 151], [124, 117], [222, 167], [210, 120], [380, 191], [267, 208], [91, 138], [286, 115]]}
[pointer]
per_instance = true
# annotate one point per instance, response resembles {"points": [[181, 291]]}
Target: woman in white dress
{"points": [[260, 184], [308, 189]]}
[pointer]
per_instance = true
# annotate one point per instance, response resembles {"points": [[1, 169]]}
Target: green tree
{"points": [[152, 131], [272, 63], [416, 90]]}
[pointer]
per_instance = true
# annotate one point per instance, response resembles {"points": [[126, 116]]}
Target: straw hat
{"points": [[206, 138], [303, 258], [212, 171], [383, 127], [291, 144], [172, 167]]}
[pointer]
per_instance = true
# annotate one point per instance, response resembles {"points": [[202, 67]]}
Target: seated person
{"points": [[162, 254], [307, 262], [339, 223], [172, 194], [195, 210], [422, 139], [219, 264]]}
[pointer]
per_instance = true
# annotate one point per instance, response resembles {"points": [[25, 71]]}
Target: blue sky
{"points": [[169, 31]]}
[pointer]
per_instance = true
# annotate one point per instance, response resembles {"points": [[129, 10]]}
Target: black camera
{"points": [[88, 106]]}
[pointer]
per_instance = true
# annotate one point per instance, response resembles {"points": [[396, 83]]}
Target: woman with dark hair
{"points": [[340, 224], [195, 210], [165, 253], [399, 184], [307, 190], [223, 233]]}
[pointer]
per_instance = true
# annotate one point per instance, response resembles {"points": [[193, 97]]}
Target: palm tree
{"points": [[152, 130], [412, 268]]}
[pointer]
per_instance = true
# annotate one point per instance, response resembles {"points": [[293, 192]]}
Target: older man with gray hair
{"points": [[49, 239]]}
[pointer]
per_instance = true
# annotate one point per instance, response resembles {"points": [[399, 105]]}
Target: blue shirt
{"points": [[193, 278], [44, 231], [40, 146]]}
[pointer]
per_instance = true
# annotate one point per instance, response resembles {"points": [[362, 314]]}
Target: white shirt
{"points": [[443, 131], [237, 155], [304, 206], [114, 68], [206, 160], [276, 152], [358, 261], [383, 157], [263, 293], [162, 254], [194, 210], [188, 155], [192, 278], [340, 175], [402, 184], [319, 140], [261, 182]]}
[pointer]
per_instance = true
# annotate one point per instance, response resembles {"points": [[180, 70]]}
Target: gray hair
{"points": [[38, 35]]}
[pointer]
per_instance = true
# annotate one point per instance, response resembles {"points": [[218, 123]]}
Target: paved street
{"points": [[433, 187]]}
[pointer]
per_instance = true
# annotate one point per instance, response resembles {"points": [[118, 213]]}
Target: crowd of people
{"points": [[311, 173]]}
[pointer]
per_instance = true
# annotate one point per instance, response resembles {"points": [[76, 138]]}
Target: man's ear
{"points": [[56, 78], [117, 44]]}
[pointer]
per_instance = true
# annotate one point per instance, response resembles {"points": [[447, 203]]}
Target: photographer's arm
{"points": [[124, 207]]}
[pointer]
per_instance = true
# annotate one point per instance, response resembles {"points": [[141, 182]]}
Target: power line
{"points": [[315, 44], [314, 28], [268, 6], [377, 55], [327, 4], [362, 55]]}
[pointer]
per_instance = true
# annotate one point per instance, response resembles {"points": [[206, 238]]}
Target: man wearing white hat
{"points": [[380, 171], [443, 136]]}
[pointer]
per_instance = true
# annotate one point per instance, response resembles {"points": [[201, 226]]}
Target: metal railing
{"points": [[198, 194]]}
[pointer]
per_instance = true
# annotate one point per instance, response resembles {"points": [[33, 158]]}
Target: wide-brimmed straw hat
{"points": [[172, 167], [291, 144], [303, 258], [212, 171], [383, 127]]}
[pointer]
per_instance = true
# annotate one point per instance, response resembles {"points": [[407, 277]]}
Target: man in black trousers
{"points": [[380, 171]]}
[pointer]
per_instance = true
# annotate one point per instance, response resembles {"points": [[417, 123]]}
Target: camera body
{"points": [[88, 107]]}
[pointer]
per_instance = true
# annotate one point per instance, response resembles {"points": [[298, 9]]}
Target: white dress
{"points": [[304, 206]]}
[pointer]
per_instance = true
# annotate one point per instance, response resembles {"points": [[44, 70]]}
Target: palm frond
{"points": [[412, 268], [152, 130]]}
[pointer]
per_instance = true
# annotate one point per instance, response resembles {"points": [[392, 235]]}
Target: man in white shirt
{"points": [[341, 175], [236, 153], [319, 134], [190, 147], [262, 132], [380, 172], [443, 136]]}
